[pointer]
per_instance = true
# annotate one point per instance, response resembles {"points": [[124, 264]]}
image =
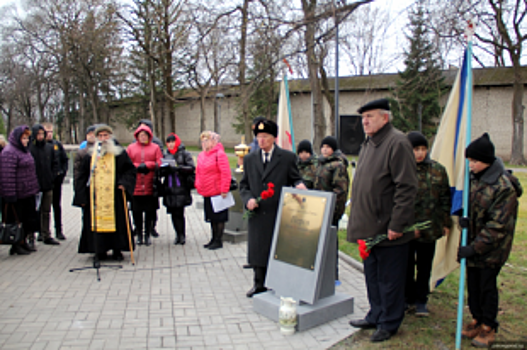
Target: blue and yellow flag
{"points": [[449, 150]]}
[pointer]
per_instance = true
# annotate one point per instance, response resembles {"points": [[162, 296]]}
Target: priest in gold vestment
{"points": [[105, 171]]}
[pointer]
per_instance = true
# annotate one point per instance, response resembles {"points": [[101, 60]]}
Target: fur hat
{"points": [[267, 126], [103, 127]]}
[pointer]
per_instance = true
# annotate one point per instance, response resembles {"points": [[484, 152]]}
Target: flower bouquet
{"points": [[365, 245], [268, 193]]}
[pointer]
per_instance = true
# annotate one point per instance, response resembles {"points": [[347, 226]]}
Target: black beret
{"points": [[481, 149], [330, 141], [417, 139], [267, 126], [304, 145], [377, 104]]}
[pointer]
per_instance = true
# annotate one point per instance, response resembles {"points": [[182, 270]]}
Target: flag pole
{"points": [[466, 187], [293, 144]]}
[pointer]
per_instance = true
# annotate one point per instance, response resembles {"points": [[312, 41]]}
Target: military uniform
{"points": [[432, 202], [332, 176], [493, 210], [308, 170]]}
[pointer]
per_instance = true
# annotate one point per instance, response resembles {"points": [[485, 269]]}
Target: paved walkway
{"points": [[183, 297]]}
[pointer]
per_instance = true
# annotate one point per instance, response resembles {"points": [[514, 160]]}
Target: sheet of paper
{"points": [[219, 203]]}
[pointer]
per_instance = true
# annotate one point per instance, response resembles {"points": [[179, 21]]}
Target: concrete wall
{"points": [[492, 109]]}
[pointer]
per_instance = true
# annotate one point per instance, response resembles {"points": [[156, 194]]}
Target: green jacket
{"points": [[332, 176], [308, 170], [492, 213], [433, 200]]}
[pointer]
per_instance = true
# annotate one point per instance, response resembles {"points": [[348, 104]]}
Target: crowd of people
{"points": [[395, 185]]}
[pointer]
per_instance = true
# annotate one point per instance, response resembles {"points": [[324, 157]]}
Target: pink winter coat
{"points": [[213, 174], [150, 154]]}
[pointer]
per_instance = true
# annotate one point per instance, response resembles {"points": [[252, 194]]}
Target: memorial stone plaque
{"points": [[299, 229]]}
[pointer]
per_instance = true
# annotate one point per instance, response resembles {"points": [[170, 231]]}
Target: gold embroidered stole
{"points": [[103, 184]]}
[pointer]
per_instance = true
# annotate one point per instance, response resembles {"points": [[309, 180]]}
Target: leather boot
{"points": [[147, 238], [213, 234], [17, 249], [139, 234], [31, 244], [217, 242], [486, 336], [471, 330]]}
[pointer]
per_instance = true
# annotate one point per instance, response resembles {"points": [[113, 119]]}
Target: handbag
{"points": [[11, 233], [234, 184]]}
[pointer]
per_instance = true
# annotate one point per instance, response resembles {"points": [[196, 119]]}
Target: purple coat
{"points": [[17, 169]]}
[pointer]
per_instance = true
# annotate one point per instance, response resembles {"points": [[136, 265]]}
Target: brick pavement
{"points": [[183, 297]]}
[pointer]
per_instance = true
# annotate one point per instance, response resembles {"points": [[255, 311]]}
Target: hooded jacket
{"points": [[17, 169], [213, 174], [148, 154], [155, 140], [493, 211], [46, 163]]}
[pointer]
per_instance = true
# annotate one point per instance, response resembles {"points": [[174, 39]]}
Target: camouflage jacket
{"points": [[492, 213], [332, 175], [308, 170], [432, 201]]}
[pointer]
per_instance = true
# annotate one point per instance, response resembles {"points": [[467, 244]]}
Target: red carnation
{"points": [[266, 194], [363, 249]]}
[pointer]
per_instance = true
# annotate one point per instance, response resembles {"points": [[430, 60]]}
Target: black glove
{"points": [[142, 169], [465, 252]]}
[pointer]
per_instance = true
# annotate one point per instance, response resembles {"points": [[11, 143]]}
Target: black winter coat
{"points": [[46, 164], [281, 171], [176, 182], [62, 158]]}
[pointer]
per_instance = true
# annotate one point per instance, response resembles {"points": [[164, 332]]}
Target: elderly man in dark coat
{"points": [[105, 172], [383, 194], [269, 165]]}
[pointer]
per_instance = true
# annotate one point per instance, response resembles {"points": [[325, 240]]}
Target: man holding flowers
{"points": [[265, 173], [382, 197]]}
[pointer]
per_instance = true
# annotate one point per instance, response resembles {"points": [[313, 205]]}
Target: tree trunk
{"points": [[313, 67], [330, 98], [517, 157]]}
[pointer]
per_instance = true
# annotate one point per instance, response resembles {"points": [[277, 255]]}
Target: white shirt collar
{"points": [[270, 154]]}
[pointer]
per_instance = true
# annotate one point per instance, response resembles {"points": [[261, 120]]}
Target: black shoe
{"points": [[17, 249], [208, 244], [26, 246], [154, 232], [51, 241], [60, 236], [180, 240], [247, 266], [139, 238], [31, 245], [381, 335], [117, 256], [101, 256], [255, 290], [362, 324], [215, 245], [39, 238], [147, 240]]}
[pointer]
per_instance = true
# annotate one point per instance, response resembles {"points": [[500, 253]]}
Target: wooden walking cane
{"points": [[128, 229]]}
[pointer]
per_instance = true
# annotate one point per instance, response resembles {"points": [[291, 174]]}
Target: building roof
{"points": [[483, 77]]}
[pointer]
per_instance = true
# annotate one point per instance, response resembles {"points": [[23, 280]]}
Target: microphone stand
{"points": [[96, 261]]}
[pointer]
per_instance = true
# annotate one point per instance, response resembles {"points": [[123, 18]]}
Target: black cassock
{"points": [[281, 171], [125, 174]]}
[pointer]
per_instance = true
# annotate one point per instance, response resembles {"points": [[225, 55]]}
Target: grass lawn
{"points": [[439, 330]]}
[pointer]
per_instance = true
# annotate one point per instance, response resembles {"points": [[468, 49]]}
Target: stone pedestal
{"points": [[309, 316], [236, 227]]}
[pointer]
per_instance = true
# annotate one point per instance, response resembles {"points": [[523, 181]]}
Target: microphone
{"points": [[99, 145]]}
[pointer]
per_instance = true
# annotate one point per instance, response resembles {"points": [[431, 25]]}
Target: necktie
{"points": [[266, 159]]}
